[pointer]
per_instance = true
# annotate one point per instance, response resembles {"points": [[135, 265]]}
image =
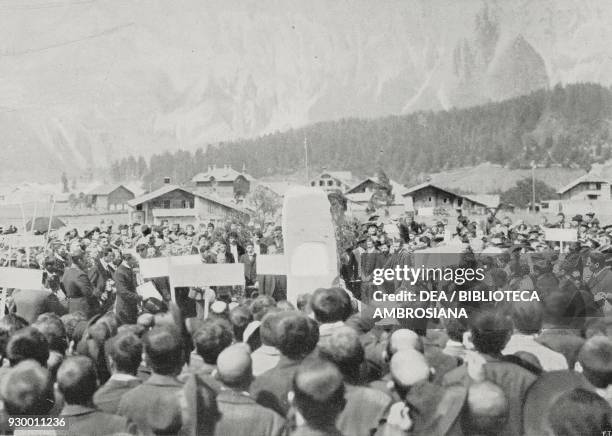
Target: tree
{"points": [[382, 196], [64, 183], [265, 202], [520, 194]]}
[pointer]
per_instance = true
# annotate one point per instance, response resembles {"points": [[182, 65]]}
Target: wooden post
{"points": [[49, 226]]}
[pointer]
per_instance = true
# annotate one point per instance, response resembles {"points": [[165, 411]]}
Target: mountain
{"points": [[564, 131], [84, 82]]}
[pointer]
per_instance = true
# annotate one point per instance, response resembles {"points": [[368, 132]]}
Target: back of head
{"points": [[580, 412], [269, 326], [126, 352], [28, 343], [527, 317], [303, 302], [77, 380], [54, 331], [595, 357], [318, 392], [330, 305], [9, 324], [296, 335], [211, 337], [344, 349], [234, 366], [164, 350], [490, 330], [240, 317], [555, 306], [260, 306], [25, 389], [487, 409]]}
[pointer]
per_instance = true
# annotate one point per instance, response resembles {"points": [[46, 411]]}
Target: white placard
{"points": [[159, 266], [153, 267], [271, 264], [148, 290], [223, 274], [20, 278], [26, 240], [562, 235]]}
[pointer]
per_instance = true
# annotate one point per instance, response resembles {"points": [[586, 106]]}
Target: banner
{"points": [[561, 235], [271, 264], [25, 240], [20, 278], [159, 266], [223, 274]]}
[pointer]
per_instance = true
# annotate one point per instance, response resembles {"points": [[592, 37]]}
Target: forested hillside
{"points": [[565, 126]]}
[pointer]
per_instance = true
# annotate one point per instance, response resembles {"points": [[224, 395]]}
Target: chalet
{"points": [[175, 204], [429, 199], [223, 182], [113, 197], [587, 187], [333, 181]]}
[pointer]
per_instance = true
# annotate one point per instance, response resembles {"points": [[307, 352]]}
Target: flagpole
{"points": [[50, 219]]}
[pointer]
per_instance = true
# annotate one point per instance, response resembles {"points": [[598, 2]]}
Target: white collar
{"points": [[119, 376]]}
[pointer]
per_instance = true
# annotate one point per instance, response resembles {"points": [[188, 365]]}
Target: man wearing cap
{"points": [[240, 414]]}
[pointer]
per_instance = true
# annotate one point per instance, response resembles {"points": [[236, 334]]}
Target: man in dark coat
{"points": [[249, 259], [126, 306], [77, 286], [124, 359], [102, 271], [156, 406], [76, 380], [297, 336]]}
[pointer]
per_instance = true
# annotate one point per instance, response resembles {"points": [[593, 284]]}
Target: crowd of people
{"points": [[87, 349]]}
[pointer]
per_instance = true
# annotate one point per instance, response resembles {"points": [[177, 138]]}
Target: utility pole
{"points": [[533, 192], [306, 161]]}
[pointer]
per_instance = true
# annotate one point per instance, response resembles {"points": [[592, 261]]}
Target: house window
{"points": [[592, 196], [445, 200], [184, 204], [210, 208], [429, 198], [330, 183], [598, 186], [312, 184], [321, 182], [166, 204], [139, 207], [337, 183]]}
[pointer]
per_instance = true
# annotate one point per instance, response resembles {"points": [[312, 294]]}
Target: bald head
{"points": [[487, 408], [25, 389], [409, 367], [234, 366]]}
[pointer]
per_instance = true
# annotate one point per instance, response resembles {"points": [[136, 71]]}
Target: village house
{"points": [[223, 182], [587, 187], [358, 196], [176, 204], [333, 180], [112, 198], [430, 199]]}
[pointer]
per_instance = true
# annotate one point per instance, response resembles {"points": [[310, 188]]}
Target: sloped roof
{"points": [[221, 174], [169, 188], [426, 185], [398, 188], [587, 178], [106, 189], [488, 200]]}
